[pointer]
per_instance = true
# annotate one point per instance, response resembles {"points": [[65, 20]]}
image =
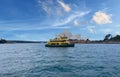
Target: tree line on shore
{"points": [[18, 41], [3, 41], [109, 37]]}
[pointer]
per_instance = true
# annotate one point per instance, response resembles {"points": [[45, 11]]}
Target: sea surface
{"points": [[36, 60]]}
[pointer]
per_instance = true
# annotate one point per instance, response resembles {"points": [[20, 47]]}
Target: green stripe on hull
{"points": [[70, 45]]}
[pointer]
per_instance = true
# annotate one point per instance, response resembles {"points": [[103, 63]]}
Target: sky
{"points": [[40, 20]]}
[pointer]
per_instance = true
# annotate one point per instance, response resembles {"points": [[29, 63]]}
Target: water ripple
{"points": [[83, 60]]}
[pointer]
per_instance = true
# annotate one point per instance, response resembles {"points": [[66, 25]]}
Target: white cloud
{"points": [[101, 17], [66, 7], [75, 23], [46, 5], [92, 30], [50, 7], [70, 18], [18, 27], [59, 17]]}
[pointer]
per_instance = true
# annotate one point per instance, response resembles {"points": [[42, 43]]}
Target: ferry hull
{"points": [[69, 45]]}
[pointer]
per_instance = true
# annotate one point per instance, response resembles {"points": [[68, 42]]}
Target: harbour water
{"points": [[36, 60]]}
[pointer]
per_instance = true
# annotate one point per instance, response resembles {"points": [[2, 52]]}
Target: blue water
{"points": [[83, 60]]}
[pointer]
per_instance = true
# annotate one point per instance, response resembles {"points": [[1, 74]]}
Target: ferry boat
{"points": [[59, 42]]}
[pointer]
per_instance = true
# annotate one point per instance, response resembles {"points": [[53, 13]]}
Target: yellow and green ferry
{"points": [[59, 42]]}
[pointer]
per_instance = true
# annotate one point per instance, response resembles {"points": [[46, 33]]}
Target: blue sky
{"points": [[43, 19]]}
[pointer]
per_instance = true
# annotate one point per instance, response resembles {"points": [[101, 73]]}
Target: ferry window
{"points": [[65, 43]]}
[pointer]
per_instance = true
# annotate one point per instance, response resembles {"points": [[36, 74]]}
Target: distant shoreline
{"points": [[97, 43], [74, 43], [19, 41], [103, 42]]}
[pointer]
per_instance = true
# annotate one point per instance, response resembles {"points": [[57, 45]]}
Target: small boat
{"points": [[59, 42]]}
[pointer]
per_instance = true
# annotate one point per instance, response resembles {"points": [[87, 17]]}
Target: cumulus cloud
{"points": [[66, 7], [101, 17], [75, 23]]}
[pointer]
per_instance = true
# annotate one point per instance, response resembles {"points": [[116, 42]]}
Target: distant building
{"points": [[79, 41]]}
